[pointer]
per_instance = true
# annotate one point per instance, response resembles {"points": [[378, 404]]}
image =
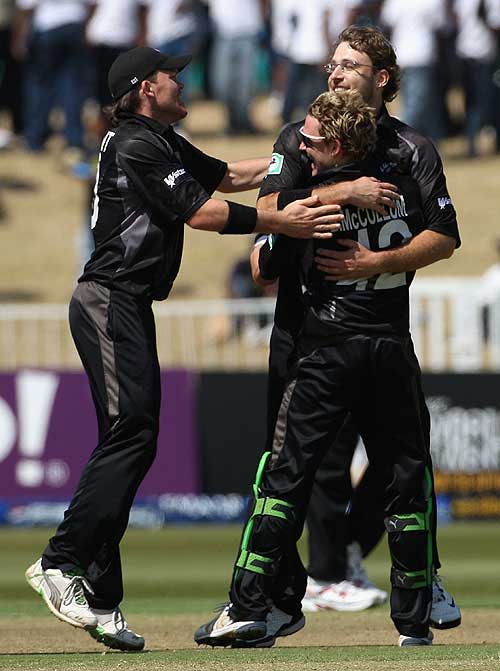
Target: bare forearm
{"points": [[214, 214], [211, 216], [244, 175], [358, 261], [339, 194], [269, 202], [364, 192], [303, 219], [254, 264], [333, 194], [421, 251]]}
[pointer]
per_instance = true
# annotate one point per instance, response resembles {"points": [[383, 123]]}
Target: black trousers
{"points": [[337, 514], [115, 337], [377, 380]]}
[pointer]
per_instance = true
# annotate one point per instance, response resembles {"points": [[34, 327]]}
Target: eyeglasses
{"points": [[346, 66], [310, 140]]}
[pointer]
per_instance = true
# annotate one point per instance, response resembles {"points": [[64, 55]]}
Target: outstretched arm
{"points": [[244, 175], [366, 192], [302, 219], [358, 262]]}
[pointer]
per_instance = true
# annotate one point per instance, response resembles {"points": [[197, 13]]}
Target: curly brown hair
{"points": [[374, 43], [344, 116]]}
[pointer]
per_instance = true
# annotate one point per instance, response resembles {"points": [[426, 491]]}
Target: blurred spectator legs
{"points": [[186, 44], [420, 104], [10, 86], [56, 72], [478, 94], [495, 105], [233, 79], [305, 82]]}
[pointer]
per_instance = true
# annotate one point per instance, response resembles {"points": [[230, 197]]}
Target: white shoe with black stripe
{"points": [[405, 641], [113, 631]]}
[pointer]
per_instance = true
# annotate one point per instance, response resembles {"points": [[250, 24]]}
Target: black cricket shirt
{"points": [[401, 151], [149, 182]]}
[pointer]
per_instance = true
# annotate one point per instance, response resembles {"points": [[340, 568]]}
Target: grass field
{"points": [[174, 578]]}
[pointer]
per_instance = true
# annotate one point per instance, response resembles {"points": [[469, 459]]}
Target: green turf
{"points": [[383, 658], [186, 570]]}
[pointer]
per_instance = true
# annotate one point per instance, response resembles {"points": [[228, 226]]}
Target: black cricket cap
{"points": [[131, 67]]}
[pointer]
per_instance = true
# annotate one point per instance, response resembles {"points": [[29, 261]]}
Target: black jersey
{"points": [[401, 152], [149, 182], [399, 148], [377, 304]]}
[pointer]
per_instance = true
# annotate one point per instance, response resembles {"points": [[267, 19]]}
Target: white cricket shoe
{"points": [[346, 596], [445, 614], [313, 590], [112, 630], [223, 630], [405, 641], [356, 574], [64, 594]]}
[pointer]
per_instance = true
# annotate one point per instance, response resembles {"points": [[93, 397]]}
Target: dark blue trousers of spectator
{"points": [[304, 83], [478, 88], [56, 74]]}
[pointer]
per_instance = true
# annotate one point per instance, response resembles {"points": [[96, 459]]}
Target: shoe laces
{"points": [[437, 587], [119, 621], [222, 606], [75, 590]]}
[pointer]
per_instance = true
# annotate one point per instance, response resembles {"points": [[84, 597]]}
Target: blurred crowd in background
{"points": [[56, 54]]}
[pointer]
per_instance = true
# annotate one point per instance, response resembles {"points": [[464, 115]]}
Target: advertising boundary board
{"points": [[465, 440], [212, 435], [48, 430]]}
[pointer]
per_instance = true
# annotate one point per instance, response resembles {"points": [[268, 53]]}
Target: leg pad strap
{"points": [[250, 561], [409, 579], [273, 508], [407, 522]]}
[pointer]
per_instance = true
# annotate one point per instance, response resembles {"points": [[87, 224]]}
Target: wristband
{"points": [[241, 219], [287, 197]]}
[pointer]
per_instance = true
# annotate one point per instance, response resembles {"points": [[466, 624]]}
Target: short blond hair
{"points": [[344, 116]]}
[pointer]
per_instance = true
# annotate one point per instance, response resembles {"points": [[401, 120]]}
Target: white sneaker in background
{"points": [[356, 574], [313, 590], [345, 596]]}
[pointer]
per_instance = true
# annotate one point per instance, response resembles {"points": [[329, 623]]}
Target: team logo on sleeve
{"points": [[175, 178], [276, 164], [444, 201]]}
